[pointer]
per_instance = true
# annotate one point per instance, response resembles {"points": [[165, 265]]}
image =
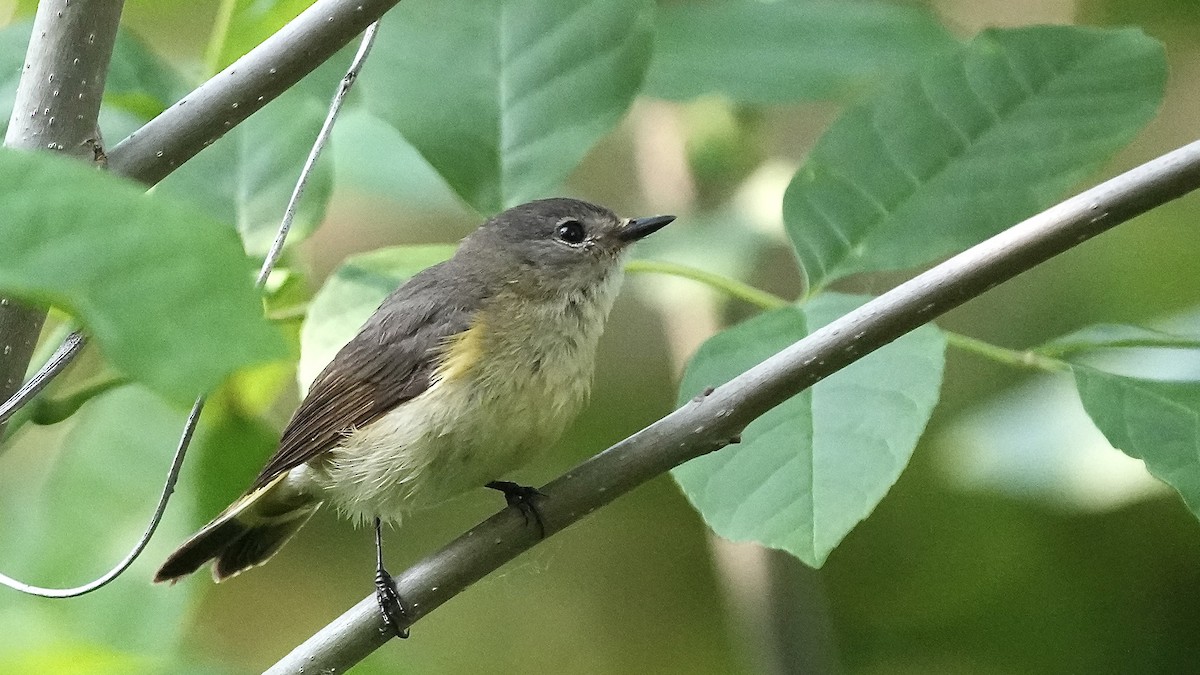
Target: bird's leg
{"points": [[385, 591], [522, 497]]}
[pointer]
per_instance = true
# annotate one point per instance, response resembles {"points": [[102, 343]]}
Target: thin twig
{"points": [[116, 571], [58, 362], [189, 427], [731, 287], [335, 107], [710, 422]]}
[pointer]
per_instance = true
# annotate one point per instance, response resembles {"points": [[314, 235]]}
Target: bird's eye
{"points": [[570, 231]]}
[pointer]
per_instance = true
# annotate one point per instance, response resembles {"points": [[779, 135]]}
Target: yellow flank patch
{"points": [[461, 352]]}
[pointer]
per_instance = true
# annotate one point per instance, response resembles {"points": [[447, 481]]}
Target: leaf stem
{"points": [[731, 287], [1012, 357], [52, 411]]}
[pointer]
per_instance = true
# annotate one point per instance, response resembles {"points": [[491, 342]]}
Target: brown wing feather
{"points": [[389, 362]]}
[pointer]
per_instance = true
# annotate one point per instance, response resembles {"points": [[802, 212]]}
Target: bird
{"points": [[463, 374]]}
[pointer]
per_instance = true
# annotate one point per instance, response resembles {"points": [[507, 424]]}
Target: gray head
{"points": [[561, 244]]}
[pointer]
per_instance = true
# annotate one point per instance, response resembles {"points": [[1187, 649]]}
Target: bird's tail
{"points": [[246, 534]]}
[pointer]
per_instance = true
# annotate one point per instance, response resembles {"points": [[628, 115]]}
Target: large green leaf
{"points": [[808, 471], [167, 293], [370, 155], [504, 97], [83, 518], [766, 52], [1155, 421], [351, 294], [973, 142], [247, 176]]}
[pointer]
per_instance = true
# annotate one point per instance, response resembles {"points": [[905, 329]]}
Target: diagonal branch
{"points": [[709, 423], [200, 118]]}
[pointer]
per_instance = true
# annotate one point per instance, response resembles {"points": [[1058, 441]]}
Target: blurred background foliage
{"points": [[1016, 541]]}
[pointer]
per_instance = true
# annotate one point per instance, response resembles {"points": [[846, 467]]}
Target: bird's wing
{"points": [[390, 361]]}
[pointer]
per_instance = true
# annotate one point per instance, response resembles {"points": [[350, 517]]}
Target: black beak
{"points": [[641, 227]]}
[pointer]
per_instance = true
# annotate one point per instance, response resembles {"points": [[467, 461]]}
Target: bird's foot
{"points": [[524, 499], [390, 604]]}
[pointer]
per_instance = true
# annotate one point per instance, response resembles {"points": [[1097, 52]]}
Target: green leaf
{"points": [[974, 142], [228, 451], [139, 81], [254, 21], [87, 514], [247, 176], [370, 155], [1112, 336], [1155, 421], [351, 295], [791, 50], [166, 292], [809, 470], [504, 97]]}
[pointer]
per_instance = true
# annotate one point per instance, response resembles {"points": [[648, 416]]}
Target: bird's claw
{"points": [[523, 498], [390, 604]]}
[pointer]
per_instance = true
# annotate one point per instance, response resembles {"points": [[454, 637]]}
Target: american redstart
{"points": [[460, 376]]}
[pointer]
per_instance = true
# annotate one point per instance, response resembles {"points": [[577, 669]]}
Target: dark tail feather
{"points": [[208, 543], [246, 534], [256, 547]]}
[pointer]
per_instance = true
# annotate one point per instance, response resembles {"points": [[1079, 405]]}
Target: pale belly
{"points": [[454, 437]]}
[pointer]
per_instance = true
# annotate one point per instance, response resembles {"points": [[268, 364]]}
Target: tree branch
{"points": [[711, 422], [56, 107], [200, 118]]}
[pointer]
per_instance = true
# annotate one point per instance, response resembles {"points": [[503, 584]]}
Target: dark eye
{"points": [[570, 231]]}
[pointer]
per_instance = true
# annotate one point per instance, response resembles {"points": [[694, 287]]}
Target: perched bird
{"points": [[460, 376]]}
